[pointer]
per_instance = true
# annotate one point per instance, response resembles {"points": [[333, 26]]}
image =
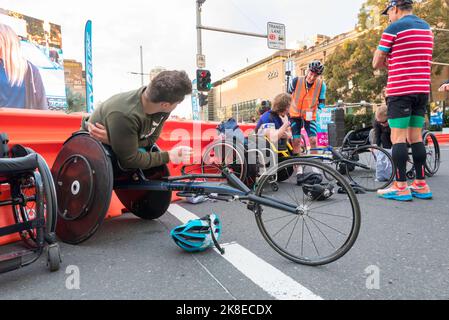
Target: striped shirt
{"points": [[409, 44]]}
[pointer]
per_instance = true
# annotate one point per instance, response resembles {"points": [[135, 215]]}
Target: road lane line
{"points": [[181, 214], [271, 280]]}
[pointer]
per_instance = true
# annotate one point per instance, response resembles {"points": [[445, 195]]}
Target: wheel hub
{"points": [[302, 210]]}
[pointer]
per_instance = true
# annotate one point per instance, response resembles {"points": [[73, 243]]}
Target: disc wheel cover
{"points": [[84, 178]]}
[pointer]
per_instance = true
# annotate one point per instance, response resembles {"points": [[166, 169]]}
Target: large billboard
{"points": [[31, 63]]}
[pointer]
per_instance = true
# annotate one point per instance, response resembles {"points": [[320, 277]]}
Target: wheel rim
{"points": [[223, 155], [366, 174], [323, 231], [433, 154]]}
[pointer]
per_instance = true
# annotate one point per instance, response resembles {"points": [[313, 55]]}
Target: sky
{"points": [[167, 32]]}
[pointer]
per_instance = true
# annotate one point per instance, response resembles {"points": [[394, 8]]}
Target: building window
{"points": [[244, 111]]}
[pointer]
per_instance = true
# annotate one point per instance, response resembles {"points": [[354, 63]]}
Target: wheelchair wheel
{"points": [[411, 175], [346, 140], [27, 212], [433, 154], [146, 204], [364, 172], [322, 230], [224, 154], [53, 257], [83, 177]]}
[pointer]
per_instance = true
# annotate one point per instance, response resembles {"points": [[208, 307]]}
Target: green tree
{"points": [[75, 101], [349, 72]]}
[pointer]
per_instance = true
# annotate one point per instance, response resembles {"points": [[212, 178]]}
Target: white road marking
{"points": [[271, 280], [181, 214]]}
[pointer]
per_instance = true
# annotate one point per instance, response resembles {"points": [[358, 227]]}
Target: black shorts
{"points": [[407, 111], [298, 123]]}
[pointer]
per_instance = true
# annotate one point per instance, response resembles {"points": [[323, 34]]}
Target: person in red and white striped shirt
{"points": [[406, 49]]}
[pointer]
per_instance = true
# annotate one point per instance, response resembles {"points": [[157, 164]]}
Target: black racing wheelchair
{"points": [[296, 221], [365, 137], [29, 190]]}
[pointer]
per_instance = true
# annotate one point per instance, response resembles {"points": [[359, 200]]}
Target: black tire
{"points": [[411, 174], [146, 204], [225, 147], [53, 257], [346, 142], [264, 216], [433, 154], [51, 200], [366, 178]]}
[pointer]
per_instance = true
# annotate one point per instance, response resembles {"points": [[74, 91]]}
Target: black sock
{"points": [[419, 159], [400, 158]]}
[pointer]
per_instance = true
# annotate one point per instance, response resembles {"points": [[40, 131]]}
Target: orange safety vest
{"points": [[305, 101]]}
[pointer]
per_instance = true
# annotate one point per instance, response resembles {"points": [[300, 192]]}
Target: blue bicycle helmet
{"points": [[198, 235], [316, 67]]}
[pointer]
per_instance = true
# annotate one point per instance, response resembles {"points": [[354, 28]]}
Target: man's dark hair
{"points": [[406, 7], [169, 86]]}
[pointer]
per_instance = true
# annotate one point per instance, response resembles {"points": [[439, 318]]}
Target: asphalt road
{"points": [[405, 243]]}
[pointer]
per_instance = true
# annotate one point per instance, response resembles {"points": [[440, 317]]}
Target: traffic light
{"points": [[203, 98], [203, 80]]}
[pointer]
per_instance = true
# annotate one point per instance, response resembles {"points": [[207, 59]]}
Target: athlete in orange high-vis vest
{"points": [[309, 94]]}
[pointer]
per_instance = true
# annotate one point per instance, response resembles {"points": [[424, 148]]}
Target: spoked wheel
{"points": [[433, 154], [222, 155], [27, 212], [370, 161], [326, 222]]}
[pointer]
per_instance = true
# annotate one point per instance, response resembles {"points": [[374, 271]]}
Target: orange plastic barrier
{"points": [[46, 131], [443, 138]]}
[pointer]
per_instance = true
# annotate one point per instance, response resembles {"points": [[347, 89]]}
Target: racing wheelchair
{"points": [[364, 137], [86, 172], [356, 159], [249, 157], [27, 187]]}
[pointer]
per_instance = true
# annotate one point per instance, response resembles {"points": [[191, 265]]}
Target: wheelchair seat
{"points": [[14, 166]]}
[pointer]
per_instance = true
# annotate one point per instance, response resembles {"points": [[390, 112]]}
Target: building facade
{"points": [[239, 95]]}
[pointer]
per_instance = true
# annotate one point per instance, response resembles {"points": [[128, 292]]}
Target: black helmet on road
{"points": [[318, 192], [316, 67]]}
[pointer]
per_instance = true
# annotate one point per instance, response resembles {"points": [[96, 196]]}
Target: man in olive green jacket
{"points": [[132, 121]]}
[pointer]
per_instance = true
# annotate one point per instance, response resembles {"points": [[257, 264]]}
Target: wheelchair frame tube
{"points": [[200, 188], [204, 188]]}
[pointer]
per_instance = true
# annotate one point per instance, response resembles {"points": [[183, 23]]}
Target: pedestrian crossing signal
{"points": [[203, 99], [203, 78]]}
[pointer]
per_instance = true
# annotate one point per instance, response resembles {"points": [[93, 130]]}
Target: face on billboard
{"points": [[31, 63]]}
